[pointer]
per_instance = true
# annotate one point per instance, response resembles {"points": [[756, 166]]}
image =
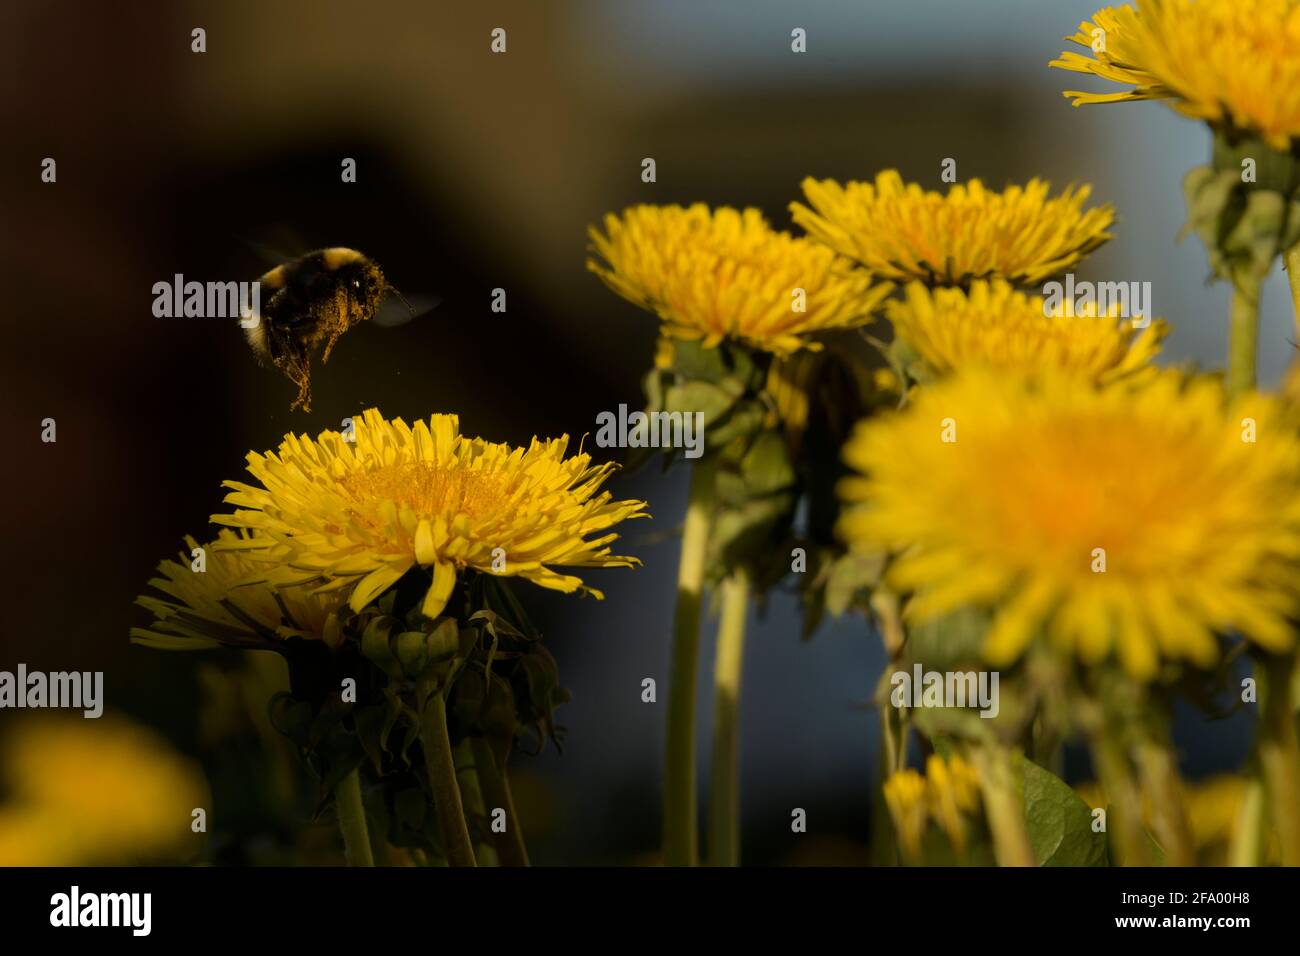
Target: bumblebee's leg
{"points": [[292, 359], [303, 380], [335, 333], [336, 319], [296, 365]]}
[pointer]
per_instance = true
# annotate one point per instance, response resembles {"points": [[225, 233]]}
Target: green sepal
{"points": [[375, 645], [850, 580], [944, 643], [746, 419], [1244, 226], [907, 362], [712, 401]]}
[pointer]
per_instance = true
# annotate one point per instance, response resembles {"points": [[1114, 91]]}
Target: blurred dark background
{"points": [[478, 171]]}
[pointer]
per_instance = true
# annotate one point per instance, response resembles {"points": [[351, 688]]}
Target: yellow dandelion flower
{"points": [[902, 232], [948, 793], [1229, 62], [993, 326], [953, 788], [726, 273], [905, 797], [93, 792], [665, 353], [1213, 805], [355, 515], [1213, 808], [1136, 521], [215, 606], [885, 380]]}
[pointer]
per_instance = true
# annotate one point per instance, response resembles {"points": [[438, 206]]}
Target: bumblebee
{"points": [[311, 301]]}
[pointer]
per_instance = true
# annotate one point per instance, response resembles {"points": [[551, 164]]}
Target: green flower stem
{"points": [[1243, 335], [681, 842], [1292, 260], [352, 820], [436, 743], [1247, 848], [1279, 752], [510, 847], [1159, 773], [1124, 812], [724, 793], [1003, 805], [471, 794], [890, 745]]}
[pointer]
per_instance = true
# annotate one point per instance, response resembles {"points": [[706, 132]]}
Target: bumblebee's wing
{"points": [[393, 311], [276, 242]]}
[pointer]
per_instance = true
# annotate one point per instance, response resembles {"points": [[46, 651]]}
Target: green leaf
{"points": [[1059, 821]]}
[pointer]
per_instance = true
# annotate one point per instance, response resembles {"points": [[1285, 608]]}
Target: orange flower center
{"points": [[430, 490]]}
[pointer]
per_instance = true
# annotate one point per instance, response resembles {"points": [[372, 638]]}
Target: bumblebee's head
{"points": [[363, 280], [360, 276]]}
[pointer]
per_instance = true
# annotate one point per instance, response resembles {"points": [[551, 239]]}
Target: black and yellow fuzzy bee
{"points": [[312, 300]]}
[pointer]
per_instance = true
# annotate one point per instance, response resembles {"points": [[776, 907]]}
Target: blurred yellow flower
{"points": [[903, 232], [355, 515], [906, 800], [1229, 62], [208, 608], [1212, 806], [790, 384], [954, 790], [726, 273], [96, 792], [993, 326], [1141, 521], [948, 794]]}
